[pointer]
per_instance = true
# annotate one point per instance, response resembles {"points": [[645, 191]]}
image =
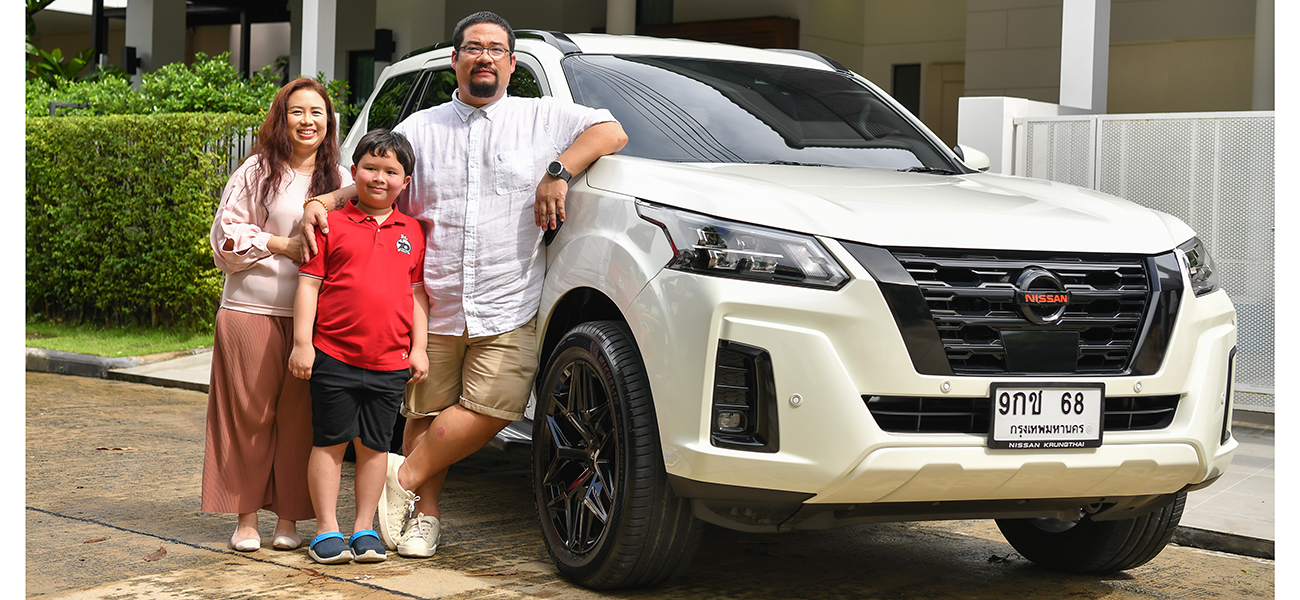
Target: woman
{"points": [[259, 429]]}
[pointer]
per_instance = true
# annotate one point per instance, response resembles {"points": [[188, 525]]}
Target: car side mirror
{"points": [[973, 158]]}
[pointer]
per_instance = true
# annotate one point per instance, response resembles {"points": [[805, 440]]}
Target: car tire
{"points": [[608, 514], [1094, 547]]}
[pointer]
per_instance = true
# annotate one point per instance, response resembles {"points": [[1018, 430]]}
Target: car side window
{"points": [[442, 83], [387, 107]]}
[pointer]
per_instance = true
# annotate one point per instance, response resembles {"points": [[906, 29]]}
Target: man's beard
{"points": [[484, 89]]}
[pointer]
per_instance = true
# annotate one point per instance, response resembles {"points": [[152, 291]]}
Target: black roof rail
{"points": [[828, 61], [559, 40], [446, 44]]}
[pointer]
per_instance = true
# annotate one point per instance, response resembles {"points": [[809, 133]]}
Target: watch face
{"points": [[556, 169]]}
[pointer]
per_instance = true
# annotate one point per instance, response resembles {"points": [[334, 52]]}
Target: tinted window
{"points": [[387, 106], [691, 110], [442, 83]]}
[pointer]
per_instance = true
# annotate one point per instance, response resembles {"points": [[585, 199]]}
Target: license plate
{"points": [[1046, 415]]}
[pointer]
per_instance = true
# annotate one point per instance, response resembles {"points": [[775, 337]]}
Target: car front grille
{"points": [[971, 297], [912, 414]]}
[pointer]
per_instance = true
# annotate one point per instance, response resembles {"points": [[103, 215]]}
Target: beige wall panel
{"points": [[1039, 67], [1181, 75], [1147, 20], [878, 61], [520, 15], [210, 40], [1210, 75], [1139, 78], [685, 11], [585, 15], [986, 30], [835, 19], [70, 43], [849, 55], [1034, 27], [893, 22], [981, 5]]}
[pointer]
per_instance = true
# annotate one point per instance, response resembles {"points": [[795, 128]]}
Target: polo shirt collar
{"points": [[354, 212], [464, 110]]}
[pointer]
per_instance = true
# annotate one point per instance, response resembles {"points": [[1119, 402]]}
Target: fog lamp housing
{"points": [[744, 399]]}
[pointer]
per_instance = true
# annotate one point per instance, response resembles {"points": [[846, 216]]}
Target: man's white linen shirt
{"points": [[473, 190]]}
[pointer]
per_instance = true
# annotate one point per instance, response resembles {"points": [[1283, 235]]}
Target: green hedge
{"points": [[118, 214]]}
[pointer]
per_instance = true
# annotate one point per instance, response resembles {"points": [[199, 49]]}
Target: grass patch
{"points": [[113, 341]]}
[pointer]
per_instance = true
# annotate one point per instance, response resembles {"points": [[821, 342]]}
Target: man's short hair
{"points": [[380, 142], [483, 16]]}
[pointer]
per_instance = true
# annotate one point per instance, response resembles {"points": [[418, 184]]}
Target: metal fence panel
{"points": [[1212, 170]]}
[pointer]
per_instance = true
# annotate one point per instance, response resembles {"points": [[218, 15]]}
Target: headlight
{"points": [[1200, 267], [710, 246]]}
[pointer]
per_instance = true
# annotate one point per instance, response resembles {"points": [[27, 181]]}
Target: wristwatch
{"points": [[556, 169]]}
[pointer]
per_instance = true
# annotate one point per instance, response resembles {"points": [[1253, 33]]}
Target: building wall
{"points": [[1181, 55], [1165, 55], [1013, 48], [70, 41], [572, 16], [210, 40], [269, 41]]}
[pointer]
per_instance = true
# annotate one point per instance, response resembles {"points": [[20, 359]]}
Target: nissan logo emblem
{"points": [[1041, 296]]}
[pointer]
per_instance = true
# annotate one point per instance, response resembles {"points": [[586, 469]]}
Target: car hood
{"points": [[891, 208]]}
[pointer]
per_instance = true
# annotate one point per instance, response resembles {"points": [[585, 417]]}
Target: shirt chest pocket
{"points": [[513, 172]]}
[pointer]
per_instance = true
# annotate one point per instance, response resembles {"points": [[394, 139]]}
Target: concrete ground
{"points": [[1235, 514], [112, 496]]}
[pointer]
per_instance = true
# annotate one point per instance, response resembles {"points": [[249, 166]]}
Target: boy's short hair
{"points": [[382, 141]]}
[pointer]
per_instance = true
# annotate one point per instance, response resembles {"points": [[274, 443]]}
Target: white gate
{"points": [[1212, 170]]}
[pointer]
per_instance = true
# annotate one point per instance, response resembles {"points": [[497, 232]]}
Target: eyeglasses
{"points": [[496, 52]]}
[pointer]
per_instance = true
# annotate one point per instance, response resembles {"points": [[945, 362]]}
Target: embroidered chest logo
{"points": [[403, 244]]}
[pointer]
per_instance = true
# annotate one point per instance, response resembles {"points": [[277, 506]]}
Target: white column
{"points": [[620, 16], [156, 28], [1085, 54], [1261, 94], [318, 37]]}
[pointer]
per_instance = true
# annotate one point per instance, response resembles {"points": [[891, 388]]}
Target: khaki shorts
{"points": [[490, 375]]}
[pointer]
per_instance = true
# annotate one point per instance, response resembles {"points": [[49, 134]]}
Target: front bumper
{"points": [[830, 348]]}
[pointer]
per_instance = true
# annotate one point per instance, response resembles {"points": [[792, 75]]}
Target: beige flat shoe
{"points": [[246, 544], [286, 542]]}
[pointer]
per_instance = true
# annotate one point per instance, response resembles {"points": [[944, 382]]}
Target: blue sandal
{"points": [[330, 549], [366, 547]]}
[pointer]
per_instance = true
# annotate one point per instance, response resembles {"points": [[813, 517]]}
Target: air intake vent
{"points": [[914, 414]]}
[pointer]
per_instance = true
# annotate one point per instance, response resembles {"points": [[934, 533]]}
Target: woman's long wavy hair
{"points": [[275, 145]]}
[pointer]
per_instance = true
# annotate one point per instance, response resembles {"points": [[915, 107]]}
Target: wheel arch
{"points": [[577, 306]]}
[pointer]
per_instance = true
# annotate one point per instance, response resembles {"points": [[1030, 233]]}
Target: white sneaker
{"points": [[421, 537], [395, 505]]}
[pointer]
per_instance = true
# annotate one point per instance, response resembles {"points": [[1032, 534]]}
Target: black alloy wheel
{"points": [[608, 515]]}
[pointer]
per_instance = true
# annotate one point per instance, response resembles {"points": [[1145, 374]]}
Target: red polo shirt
{"points": [[363, 313]]}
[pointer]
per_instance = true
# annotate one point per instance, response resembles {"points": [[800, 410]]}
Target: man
{"points": [[479, 160]]}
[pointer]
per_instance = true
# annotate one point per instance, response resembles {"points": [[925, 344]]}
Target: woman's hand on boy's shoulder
{"points": [[313, 216]]}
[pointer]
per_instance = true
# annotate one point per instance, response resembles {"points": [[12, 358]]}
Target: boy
{"points": [[359, 296]]}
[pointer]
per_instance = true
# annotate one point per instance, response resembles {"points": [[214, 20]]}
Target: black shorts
{"points": [[349, 402]]}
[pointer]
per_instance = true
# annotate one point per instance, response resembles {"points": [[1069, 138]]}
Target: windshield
{"points": [[688, 110]]}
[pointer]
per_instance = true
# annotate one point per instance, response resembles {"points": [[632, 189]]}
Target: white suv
{"points": [[786, 305]]}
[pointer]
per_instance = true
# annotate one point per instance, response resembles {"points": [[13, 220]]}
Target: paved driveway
{"points": [[113, 475]]}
